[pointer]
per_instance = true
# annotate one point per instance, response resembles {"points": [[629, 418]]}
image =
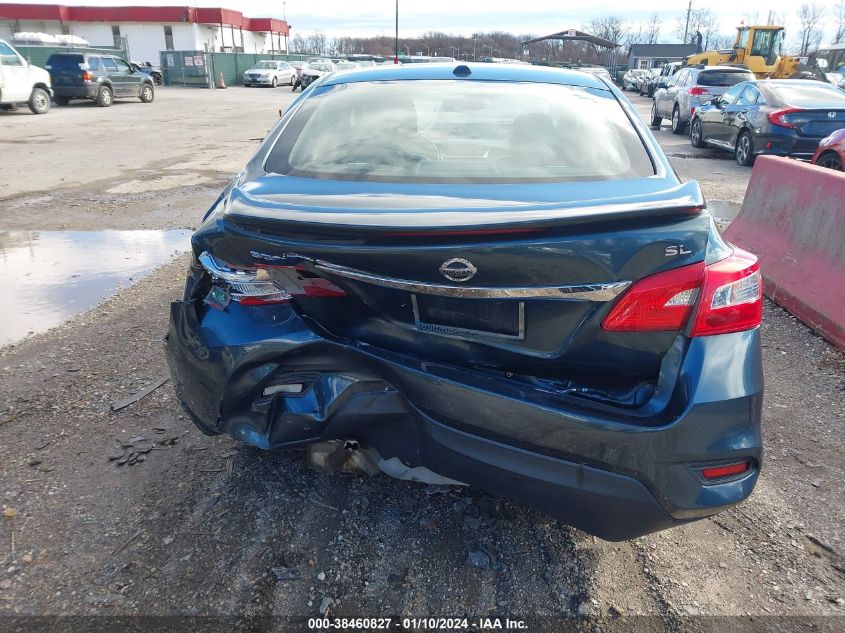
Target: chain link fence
{"points": [[201, 69]]}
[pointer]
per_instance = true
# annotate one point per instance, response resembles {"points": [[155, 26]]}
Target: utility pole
{"points": [[396, 44], [686, 28]]}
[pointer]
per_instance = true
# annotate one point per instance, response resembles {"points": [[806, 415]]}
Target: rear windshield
{"points": [[809, 96], [460, 131], [718, 78], [65, 61]]}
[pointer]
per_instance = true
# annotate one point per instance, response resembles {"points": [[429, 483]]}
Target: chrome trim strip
{"points": [[582, 292]]}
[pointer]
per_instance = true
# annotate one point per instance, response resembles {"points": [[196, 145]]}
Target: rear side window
{"points": [[65, 61], [814, 95], [93, 63], [721, 78], [460, 131]]}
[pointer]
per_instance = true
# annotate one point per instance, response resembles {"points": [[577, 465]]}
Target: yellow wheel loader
{"points": [[757, 48]]}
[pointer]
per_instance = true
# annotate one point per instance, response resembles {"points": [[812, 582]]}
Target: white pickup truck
{"points": [[22, 83]]}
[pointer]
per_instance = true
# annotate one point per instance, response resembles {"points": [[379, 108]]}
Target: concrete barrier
{"points": [[793, 219]]}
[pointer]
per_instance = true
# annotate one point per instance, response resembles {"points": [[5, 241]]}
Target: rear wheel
{"points": [[656, 119], [292, 80], [275, 82], [105, 97], [147, 95], [695, 134], [745, 149], [156, 79], [830, 160], [678, 126], [39, 101]]}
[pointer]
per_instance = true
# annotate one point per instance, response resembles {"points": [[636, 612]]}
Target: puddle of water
{"points": [[51, 276]]}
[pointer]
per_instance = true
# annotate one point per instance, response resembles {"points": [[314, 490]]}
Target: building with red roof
{"points": [[145, 31]]}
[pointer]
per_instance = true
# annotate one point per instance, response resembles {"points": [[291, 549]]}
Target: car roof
{"points": [[479, 72]]}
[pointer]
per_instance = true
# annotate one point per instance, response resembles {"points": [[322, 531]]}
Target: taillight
{"points": [[657, 302], [86, 76], [247, 286], [781, 117], [264, 285], [729, 294], [698, 91], [732, 299]]}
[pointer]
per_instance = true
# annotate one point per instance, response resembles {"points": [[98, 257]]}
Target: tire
{"points": [[105, 97], [656, 119], [62, 101], [156, 79], [275, 82], [830, 160], [147, 93], [696, 135], [744, 151], [292, 80], [39, 101], [677, 126]]}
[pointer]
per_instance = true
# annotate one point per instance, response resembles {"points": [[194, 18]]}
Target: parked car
{"points": [[313, 71], [148, 69], [270, 73], [666, 72], [837, 79], [648, 82], [21, 83], [598, 71], [393, 289], [786, 117], [689, 88], [630, 77], [101, 78], [346, 65], [831, 151]]}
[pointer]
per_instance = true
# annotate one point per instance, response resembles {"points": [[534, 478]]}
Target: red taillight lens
{"points": [[780, 117], [730, 291], [658, 302], [86, 76], [732, 299], [728, 470], [698, 91]]}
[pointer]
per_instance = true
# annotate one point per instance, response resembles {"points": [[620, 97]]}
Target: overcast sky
{"points": [[375, 17]]}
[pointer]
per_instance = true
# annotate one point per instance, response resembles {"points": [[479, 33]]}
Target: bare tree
{"points": [[652, 30], [608, 28], [839, 13], [810, 16]]}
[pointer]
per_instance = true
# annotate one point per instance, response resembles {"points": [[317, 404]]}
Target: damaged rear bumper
{"points": [[604, 473]]}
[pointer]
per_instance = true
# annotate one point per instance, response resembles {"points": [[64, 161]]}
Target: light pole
{"points": [[396, 42], [456, 52], [427, 49]]}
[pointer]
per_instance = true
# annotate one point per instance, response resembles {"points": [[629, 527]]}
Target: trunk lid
{"points": [[516, 283]]}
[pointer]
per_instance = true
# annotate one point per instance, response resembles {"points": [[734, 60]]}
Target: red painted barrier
{"points": [[793, 219]]}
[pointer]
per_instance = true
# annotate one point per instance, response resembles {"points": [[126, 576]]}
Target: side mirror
{"points": [[715, 101]]}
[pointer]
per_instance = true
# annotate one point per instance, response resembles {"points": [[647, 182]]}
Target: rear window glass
{"points": [[65, 61], [460, 131], [809, 96], [722, 78]]}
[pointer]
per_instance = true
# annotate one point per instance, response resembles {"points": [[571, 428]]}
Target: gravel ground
{"points": [[206, 526]]}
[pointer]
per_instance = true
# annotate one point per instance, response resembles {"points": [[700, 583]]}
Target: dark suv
{"points": [[102, 78]]}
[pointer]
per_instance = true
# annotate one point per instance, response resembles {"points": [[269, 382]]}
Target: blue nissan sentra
{"points": [[479, 274]]}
